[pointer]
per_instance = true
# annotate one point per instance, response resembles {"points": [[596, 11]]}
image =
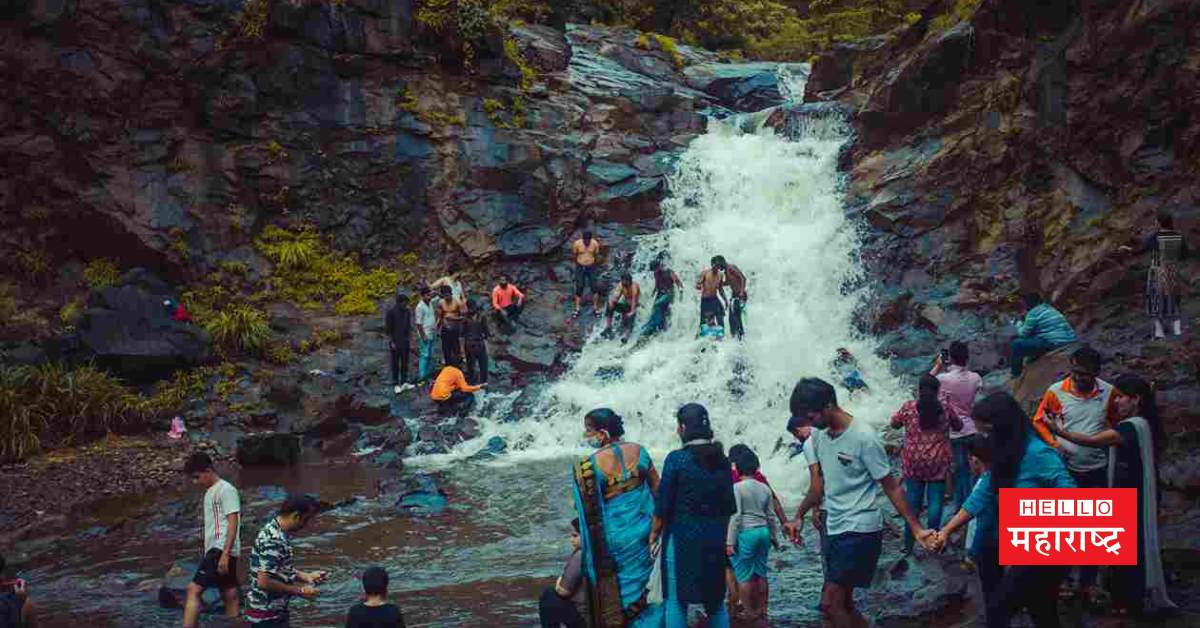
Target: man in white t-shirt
{"points": [[222, 540], [848, 468], [425, 321]]}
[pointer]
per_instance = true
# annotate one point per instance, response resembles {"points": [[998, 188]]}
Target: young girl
{"points": [[925, 458], [752, 532]]}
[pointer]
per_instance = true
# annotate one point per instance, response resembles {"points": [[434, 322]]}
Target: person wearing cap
{"points": [[274, 579], [849, 467], [586, 253], [398, 322], [222, 542], [375, 611], [691, 515], [507, 303], [614, 492]]}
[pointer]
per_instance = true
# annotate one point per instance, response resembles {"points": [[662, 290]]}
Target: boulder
{"points": [[172, 592], [423, 498], [126, 330], [746, 86], [1040, 374], [268, 449]]}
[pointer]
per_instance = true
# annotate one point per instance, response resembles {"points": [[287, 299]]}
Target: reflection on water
{"points": [[484, 561]]}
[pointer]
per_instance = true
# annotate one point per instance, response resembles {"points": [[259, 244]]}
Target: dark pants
{"points": [[987, 563], [555, 611], [399, 361], [477, 364], [1022, 348], [710, 307], [458, 401], [1032, 588], [1097, 478], [964, 480], [736, 307], [451, 349], [509, 315]]}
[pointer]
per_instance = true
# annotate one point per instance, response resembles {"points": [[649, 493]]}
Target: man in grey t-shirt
{"points": [[848, 467]]}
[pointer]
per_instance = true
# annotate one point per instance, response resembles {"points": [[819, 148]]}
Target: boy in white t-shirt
{"points": [[222, 540]]}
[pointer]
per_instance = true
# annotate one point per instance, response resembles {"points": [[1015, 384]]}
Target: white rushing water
{"points": [[773, 207]]}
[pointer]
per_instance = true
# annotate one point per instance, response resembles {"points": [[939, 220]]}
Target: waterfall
{"points": [[772, 205]]}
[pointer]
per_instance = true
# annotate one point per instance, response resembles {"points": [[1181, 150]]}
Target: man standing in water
{"points": [[665, 283], [736, 280], [274, 579], [624, 301], [712, 294], [222, 539], [849, 466], [586, 251]]}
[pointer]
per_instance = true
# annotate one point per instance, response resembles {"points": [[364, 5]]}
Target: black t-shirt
{"points": [[385, 616]]}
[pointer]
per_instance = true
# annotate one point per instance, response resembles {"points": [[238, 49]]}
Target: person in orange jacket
{"points": [[451, 390]]}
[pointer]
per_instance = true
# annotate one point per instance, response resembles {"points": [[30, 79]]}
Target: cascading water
{"points": [[772, 205]]}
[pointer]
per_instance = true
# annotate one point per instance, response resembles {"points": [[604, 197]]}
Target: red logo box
{"points": [[1068, 526]]}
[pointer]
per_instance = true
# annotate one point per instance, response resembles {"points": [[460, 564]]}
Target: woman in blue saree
{"points": [[614, 495]]}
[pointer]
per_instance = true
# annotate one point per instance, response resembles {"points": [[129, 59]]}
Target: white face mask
{"points": [[596, 442]]}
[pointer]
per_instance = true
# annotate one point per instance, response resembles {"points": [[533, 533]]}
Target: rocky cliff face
{"points": [[1017, 151]]}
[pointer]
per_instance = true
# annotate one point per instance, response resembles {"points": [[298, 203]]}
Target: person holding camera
{"points": [[16, 609], [222, 540]]}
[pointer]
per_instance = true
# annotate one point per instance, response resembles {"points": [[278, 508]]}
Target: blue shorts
{"points": [[585, 279], [851, 558], [753, 548]]}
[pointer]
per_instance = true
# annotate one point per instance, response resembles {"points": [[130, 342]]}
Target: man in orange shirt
{"points": [[451, 391], [507, 303]]}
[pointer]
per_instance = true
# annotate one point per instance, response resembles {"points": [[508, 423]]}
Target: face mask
{"points": [[596, 442]]}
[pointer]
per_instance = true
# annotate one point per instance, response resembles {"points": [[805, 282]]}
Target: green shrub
{"points": [[70, 312], [960, 11], [100, 273], [50, 406], [239, 328]]}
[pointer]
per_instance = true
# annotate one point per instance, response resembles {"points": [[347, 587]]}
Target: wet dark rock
{"points": [[172, 592], [268, 449], [271, 493], [743, 86], [495, 446], [125, 329]]}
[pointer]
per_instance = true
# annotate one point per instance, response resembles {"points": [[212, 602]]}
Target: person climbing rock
{"points": [[274, 579], [1167, 248], [450, 313], [222, 540], [475, 335], [426, 323], [712, 293], [398, 323], [735, 279], [624, 301], [665, 284], [507, 304], [451, 391], [586, 253], [1043, 330]]}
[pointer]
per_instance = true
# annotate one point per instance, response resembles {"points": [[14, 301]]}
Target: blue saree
{"points": [[615, 516]]}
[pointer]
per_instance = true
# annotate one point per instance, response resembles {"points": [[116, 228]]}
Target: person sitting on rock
{"points": [[451, 391], [624, 301], [560, 605], [475, 335], [1044, 330], [507, 303]]}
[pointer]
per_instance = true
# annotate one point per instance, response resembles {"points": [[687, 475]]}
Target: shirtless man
{"points": [[450, 313], [624, 301], [586, 252], [712, 293], [736, 280]]}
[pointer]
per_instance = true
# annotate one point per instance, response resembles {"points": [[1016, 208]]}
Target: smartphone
{"points": [[945, 356]]}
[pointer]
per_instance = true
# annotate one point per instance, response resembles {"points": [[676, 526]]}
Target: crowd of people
{"points": [[651, 544]]}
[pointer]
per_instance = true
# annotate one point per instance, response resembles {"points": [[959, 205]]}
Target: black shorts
{"points": [[711, 306], [208, 577], [585, 279], [851, 558]]}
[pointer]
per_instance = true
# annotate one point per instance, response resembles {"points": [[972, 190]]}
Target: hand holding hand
{"points": [[927, 539], [309, 591]]}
